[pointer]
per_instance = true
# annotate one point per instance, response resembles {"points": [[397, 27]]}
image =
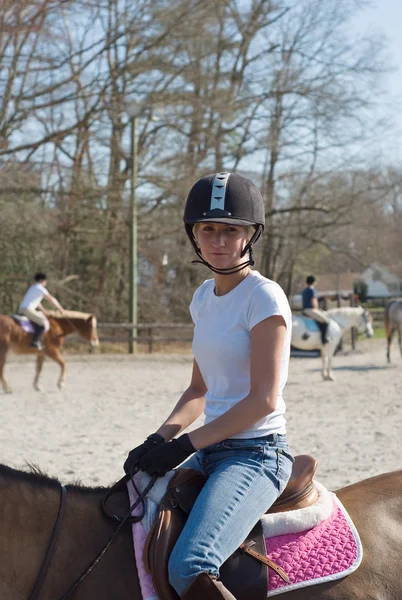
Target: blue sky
{"points": [[385, 17]]}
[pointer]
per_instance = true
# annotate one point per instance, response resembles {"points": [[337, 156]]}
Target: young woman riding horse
{"points": [[241, 351]]}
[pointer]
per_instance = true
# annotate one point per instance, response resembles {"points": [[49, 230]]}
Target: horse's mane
{"points": [[36, 477], [69, 314], [343, 310]]}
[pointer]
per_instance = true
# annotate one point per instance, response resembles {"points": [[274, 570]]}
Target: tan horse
{"points": [[12, 337], [29, 506]]}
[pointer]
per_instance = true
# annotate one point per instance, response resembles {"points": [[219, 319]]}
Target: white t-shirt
{"points": [[34, 296], [221, 345]]}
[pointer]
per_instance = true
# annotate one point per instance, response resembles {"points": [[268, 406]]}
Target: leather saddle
{"points": [[245, 573]]}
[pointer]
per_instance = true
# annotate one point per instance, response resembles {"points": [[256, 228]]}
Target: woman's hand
{"points": [[167, 456], [134, 456]]}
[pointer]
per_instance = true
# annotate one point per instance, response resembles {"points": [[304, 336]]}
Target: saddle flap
{"points": [[242, 574], [174, 509]]}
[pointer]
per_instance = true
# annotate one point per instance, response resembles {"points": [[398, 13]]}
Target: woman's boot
{"points": [[205, 587], [36, 340]]}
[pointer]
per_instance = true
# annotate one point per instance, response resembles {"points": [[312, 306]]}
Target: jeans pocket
{"points": [[284, 464]]}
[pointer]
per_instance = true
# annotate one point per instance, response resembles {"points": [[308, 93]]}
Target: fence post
{"points": [[150, 340], [354, 330]]}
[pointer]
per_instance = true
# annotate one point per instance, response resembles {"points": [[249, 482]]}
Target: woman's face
{"points": [[221, 244]]}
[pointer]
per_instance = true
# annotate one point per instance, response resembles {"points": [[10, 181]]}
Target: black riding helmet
{"points": [[225, 198]]}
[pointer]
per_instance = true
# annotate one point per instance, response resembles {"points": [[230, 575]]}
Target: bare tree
{"points": [[312, 118], [273, 89]]}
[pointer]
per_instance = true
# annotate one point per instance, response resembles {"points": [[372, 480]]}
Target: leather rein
{"points": [[50, 549], [128, 518]]}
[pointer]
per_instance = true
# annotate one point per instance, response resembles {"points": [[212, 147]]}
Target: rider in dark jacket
{"points": [[310, 308]]}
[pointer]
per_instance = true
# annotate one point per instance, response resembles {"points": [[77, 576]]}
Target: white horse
{"points": [[306, 334]]}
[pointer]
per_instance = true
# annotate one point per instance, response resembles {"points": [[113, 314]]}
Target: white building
{"points": [[382, 282]]}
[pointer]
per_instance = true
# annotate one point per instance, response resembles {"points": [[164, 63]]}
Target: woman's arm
{"points": [[267, 339], [55, 302], [190, 406]]}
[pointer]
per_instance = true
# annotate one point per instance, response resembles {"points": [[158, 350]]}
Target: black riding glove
{"points": [[167, 456], [134, 456]]}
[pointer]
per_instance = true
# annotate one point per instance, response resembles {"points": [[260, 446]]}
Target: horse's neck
{"points": [[66, 325], [27, 517], [24, 526], [347, 317], [116, 575]]}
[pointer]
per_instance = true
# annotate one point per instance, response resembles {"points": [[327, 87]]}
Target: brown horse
{"points": [[29, 506], [12, 337], [393, 323]]}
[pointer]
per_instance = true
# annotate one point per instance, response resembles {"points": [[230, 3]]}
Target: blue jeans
{"points": [[245, 477]]}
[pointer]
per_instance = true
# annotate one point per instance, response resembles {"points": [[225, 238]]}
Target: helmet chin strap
{"points": [[230, 270]]}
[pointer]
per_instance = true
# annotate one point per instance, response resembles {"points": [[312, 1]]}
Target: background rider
{"points": [[32, 301], [311, 309]]}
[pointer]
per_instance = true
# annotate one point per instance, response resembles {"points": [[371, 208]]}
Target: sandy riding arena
{"points": [[110, 403]]}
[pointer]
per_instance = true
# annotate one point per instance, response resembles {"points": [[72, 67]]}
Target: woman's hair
{"points": [[40, 277], [250, 229]]}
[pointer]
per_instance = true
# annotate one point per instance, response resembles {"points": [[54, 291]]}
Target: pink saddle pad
{"points": [[139, 539], [326, 552]]}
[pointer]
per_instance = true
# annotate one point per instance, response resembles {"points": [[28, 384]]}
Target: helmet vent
{"points": [[219, 191]]}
